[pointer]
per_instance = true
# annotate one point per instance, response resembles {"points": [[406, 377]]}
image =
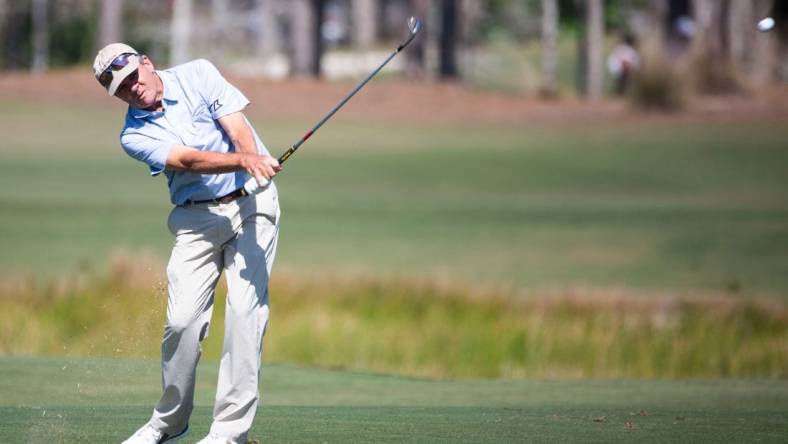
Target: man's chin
{"points": [[141, 104]]}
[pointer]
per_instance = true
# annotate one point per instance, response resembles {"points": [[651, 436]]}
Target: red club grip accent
{"points": [[307, 135]]}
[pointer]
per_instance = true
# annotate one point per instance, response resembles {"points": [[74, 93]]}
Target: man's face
{"points": [[139, 89]]}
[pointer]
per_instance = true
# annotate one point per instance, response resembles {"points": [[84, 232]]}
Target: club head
{"points": [[414, 24]]}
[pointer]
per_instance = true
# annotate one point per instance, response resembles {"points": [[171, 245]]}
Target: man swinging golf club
{"points": [[187, 123]]}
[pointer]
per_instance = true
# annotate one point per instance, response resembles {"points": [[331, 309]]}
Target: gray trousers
{"points": [[238, 238]]}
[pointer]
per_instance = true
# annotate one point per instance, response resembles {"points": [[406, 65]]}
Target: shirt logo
{"points": [[213, 107]]}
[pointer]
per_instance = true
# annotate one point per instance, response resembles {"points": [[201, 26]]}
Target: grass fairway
{"points": [[64, 400], [662, 206]]}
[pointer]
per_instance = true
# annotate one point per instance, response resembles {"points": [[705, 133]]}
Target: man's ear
{"points": [[146, 61]]}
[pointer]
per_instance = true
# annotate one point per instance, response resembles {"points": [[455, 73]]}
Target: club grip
{"points": [[289, 152]]}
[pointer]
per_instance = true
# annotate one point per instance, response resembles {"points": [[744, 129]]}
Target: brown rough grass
{"points": [[419, 327]]}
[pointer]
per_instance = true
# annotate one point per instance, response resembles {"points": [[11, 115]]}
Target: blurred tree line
{"points": [[277, 38]]}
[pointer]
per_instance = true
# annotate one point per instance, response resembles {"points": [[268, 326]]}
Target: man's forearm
{"points": [[244, 140], [183, 158], [239, 132], [207, 162]]}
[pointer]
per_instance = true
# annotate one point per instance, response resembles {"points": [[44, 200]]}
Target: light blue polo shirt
{"points": [[195, 96]]}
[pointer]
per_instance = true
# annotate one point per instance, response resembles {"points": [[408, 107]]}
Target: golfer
{"points": [[187, 123]]}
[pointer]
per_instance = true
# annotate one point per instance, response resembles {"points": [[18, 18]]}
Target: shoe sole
{"points": [[177, 437]]}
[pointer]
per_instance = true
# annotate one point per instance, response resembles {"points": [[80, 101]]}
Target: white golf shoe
{"points": [[148, 434], [213, 438]]}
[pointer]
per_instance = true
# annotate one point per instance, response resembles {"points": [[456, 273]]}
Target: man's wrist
{"points": [[241, 160]]}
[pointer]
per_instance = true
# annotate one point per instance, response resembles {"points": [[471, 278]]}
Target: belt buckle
{"points": [[232, 196]]}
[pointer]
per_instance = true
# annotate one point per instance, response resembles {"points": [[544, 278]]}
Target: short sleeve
{"points": [[146, 149], [221, 97]]}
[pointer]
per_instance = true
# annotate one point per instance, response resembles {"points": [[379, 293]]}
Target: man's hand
{"points": [[262, 167]]}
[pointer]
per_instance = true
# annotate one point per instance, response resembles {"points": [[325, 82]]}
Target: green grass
{"points": [[680, 206], [63, 400]]}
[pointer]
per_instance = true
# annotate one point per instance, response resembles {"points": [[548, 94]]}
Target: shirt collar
{"points": [[168, 96]]}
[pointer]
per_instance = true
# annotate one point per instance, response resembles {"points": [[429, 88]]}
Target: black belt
{"points": [[240, 192]]}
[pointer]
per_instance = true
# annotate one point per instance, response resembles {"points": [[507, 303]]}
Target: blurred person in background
{"points": [[187, 122], [623, 62]]}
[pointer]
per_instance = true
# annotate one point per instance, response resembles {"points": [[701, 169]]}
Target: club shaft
{"points": [[339, 105]]}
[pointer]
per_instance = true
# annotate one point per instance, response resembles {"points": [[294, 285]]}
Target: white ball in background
{"points": [[766, 24]]}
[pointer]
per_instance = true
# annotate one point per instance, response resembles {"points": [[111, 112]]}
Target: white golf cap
{"points": [[115, 74]]}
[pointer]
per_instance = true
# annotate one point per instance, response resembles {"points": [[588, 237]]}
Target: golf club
{"points": [[414, 25]]}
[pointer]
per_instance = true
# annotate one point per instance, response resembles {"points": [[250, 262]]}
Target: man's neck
{"points": [[157, 106]]}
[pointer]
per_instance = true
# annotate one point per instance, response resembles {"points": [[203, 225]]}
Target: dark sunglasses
{"points": [[119, 63]]}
